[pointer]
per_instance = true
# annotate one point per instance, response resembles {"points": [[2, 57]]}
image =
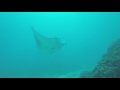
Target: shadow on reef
{"points": [[108, 66]]}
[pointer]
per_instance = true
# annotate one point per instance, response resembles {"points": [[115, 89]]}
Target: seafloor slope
{"points": [[108, 66]]}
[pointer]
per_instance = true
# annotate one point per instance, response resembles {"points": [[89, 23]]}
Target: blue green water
{"points": [[87, 36]]}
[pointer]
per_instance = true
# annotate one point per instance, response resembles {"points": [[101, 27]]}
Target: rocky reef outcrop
{"points": [[108, 66]]}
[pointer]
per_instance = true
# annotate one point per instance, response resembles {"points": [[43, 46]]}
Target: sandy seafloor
{"points": [[75, 74]]}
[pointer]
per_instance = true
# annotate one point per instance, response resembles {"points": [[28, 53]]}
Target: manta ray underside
{"points": [[46, 45]]}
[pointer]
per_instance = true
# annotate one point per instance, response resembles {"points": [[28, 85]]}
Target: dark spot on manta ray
{"points": [[51, 48]]}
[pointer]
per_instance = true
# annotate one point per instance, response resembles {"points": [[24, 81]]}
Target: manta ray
{"points": [[45, 45]]}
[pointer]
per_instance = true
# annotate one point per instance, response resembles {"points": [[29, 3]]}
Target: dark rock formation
{"points": [[108, 66]]}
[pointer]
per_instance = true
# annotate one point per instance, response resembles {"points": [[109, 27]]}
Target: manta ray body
{"points": [[46, 45]]}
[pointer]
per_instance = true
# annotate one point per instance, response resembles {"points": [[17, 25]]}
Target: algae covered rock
{"points": [[109, 65]]}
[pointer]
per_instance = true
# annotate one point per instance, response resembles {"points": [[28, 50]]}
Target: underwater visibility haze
{"points": [[54, 44]]}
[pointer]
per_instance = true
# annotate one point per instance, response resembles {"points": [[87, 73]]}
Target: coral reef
{"points": [[108, 66]]}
